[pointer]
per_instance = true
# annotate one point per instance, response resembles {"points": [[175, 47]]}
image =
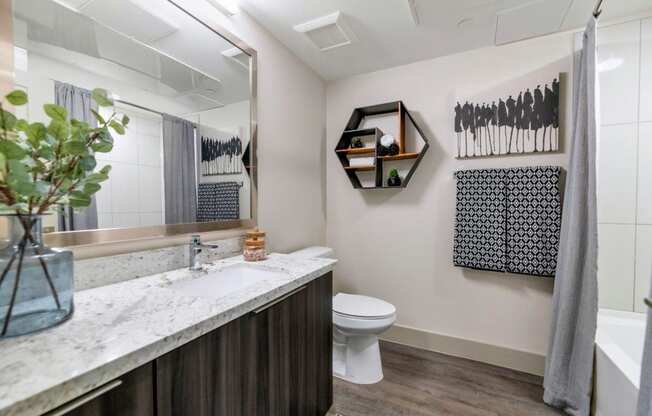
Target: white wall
{"points": [[291, 111], [625, 164], [397, 244]]}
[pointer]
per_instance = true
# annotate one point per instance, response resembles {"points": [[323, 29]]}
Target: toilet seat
{"points": [[362, 307]]}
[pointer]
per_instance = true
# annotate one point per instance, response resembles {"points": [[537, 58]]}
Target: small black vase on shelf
{"points": [[394, 179], [393, 149]]}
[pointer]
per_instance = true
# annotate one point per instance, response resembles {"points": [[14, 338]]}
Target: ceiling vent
{"points": [[327, 32]]}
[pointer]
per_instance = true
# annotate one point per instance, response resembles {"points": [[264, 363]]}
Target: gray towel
{"points": [[218, 201], [508, 220]]}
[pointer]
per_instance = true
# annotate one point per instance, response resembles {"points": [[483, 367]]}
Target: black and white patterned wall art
{"points": [[525, 121], [220, 156]]}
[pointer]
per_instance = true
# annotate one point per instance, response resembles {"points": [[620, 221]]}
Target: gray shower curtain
{"points": [[645, 388], [78, 102], [569, 363], [179, 170]]}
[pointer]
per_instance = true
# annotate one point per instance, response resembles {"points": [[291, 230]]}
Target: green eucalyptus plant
{"points": [[42, 166], [46, 165]]}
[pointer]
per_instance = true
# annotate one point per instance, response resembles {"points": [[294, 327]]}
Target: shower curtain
{"points": [[78, 102], [179, 170], [569, 363]]}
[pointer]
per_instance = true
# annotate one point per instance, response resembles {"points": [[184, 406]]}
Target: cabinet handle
{"points": [[279, 300], [78, 402]]}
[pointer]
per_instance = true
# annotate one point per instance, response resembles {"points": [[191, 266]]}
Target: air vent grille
{"points": [[327, 32]]}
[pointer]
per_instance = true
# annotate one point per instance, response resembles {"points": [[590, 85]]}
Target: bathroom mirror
{"points": [[187, 160]]}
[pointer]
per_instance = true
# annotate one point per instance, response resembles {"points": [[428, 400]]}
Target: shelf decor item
{"points": [[394, 179], [254, 246], [43, 167], [388, 148]]}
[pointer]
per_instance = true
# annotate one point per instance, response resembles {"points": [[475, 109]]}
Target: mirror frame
{"points": [[112, 235]]}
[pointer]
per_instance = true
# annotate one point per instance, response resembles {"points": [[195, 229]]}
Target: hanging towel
{"points": [[533, 220], [508, 220], [479, 241], [218, 201]]}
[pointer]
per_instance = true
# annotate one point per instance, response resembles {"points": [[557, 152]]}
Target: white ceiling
{"points": [[387, 36], [149, 44]]}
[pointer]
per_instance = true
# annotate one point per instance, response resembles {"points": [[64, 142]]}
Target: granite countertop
{"points": [[119, 327]]}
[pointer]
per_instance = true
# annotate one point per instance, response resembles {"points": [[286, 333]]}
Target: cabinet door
{"points": [[295, 353], [209, 376], [129, 395]]}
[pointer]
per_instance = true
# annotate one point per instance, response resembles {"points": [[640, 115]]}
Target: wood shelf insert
{"points": [[357, 151], [360, 168], [400, 156]]}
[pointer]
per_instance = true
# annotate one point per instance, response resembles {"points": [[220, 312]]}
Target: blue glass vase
{"points": [[36, 284]]}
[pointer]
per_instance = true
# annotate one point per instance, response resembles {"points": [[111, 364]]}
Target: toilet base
{"points": [[356, 359]]}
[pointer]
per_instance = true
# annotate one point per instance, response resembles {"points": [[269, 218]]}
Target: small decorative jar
{"points": [[36, 284], [254, 246]]}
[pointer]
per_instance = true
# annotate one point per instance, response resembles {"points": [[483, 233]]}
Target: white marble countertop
{"points": [[119, 327]]}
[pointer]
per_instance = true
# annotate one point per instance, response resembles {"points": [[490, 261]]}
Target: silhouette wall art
{"points": [[524, 122]]}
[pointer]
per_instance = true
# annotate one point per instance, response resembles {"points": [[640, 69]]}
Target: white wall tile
{"points": [[149, 150], [150, 189], [643, 265], [644, 209], [618, 66], [151, 218], [646, 70], [124, 188], [104, 220], [616, 266], [126, 219], [103, 197], [617, 174]]}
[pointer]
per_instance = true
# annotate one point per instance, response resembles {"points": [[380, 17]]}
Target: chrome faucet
{"points": [[195, 248]]}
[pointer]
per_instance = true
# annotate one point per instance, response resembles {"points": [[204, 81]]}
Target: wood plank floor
{"points": [[425, 383]]}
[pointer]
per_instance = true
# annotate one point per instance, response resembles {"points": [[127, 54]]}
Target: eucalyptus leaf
{"points": [[59, 129], [98, 117], [102, 147], [88, 163], [19, 179], [125, 120], [101, 97], [17, 97], [56, 112], [7, 120], [78, 199], [91, 188], [74, 147], [12, 150], [117, 127]]}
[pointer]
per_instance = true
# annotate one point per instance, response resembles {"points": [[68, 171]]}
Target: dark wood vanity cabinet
{"points": [[294, 353], [130, 395], [274, 361]]}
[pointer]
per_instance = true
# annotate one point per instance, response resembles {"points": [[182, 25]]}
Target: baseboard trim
{"points": [[524, 361]]}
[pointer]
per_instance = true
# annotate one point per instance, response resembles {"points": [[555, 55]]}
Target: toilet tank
{"points": [[313, 252]]}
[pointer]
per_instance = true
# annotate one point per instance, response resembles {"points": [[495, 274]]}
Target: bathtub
{"points": [[618, 354]]}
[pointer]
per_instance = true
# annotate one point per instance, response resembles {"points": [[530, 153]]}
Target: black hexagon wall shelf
{"points": [[373, 172]]}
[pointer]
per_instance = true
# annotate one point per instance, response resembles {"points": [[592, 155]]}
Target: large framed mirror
{"points": [[187, 162]]}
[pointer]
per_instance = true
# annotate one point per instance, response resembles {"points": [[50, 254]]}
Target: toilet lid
{"points": [[362, 306]]}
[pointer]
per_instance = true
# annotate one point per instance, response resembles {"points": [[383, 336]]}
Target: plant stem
{"points": [[21, 249], [8, 267], [28, 233]]}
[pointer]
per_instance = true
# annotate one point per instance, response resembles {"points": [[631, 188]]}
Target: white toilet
{"points": [[357, 322]]}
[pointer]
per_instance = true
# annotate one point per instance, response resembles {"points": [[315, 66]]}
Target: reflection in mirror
{"points": [[185, 157]]}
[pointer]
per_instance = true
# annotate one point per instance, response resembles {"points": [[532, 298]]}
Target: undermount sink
{"points": [[223, 282]]}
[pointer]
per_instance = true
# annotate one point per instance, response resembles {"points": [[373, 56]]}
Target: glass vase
{"points": [[36, 284]]}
